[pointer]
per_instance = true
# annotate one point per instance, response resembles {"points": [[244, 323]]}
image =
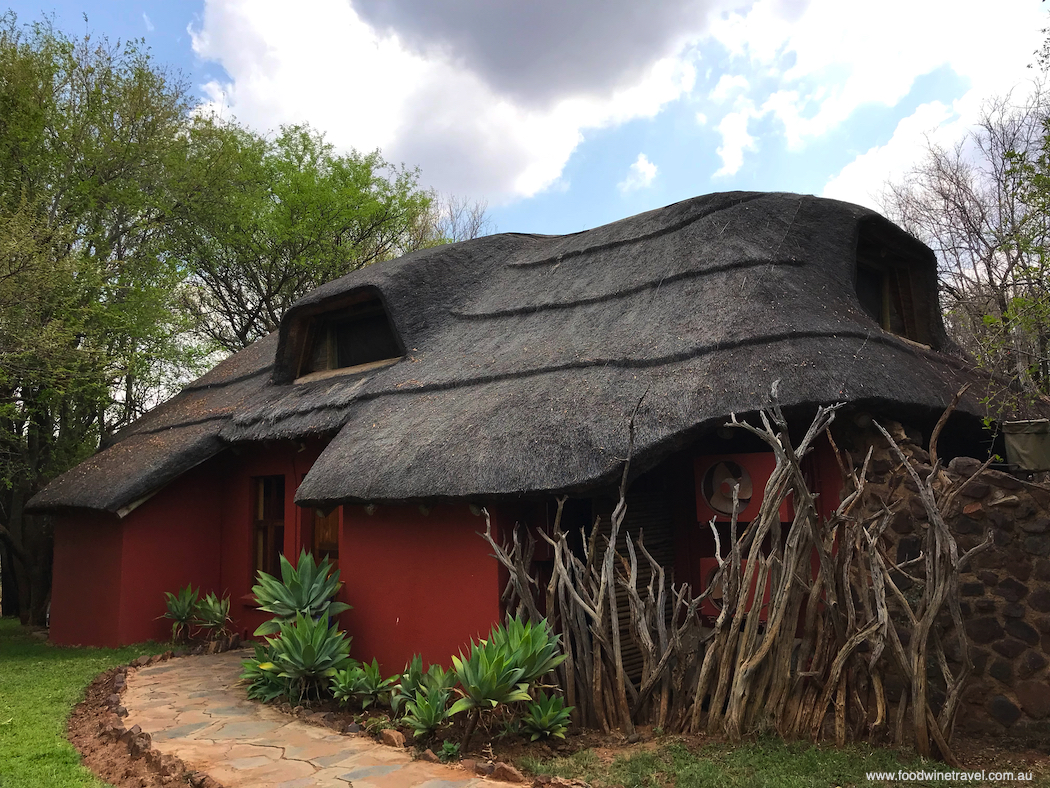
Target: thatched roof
{"points": [[526, 354]]}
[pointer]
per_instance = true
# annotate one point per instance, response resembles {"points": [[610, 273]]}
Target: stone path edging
{"points": [[193, 709]]}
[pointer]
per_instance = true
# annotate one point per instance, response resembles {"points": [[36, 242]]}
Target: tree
{"points": [[137, 238], [283, 216], [89, 336], [978, 206]]}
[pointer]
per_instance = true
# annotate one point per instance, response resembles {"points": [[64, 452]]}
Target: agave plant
{"points": [[547, 716], [414, 680], [182, 607], [425, 712], [307, 588], [533, 648], [309, 652], [346, 682], [212, 615], [487, 678], [363, 682], [262, 677]]}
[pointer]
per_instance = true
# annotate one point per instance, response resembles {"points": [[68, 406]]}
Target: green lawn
{"points": [[39, 685], [768, 762]]}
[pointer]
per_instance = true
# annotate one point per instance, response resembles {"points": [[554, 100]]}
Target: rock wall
{"points": [[1005, 593]]}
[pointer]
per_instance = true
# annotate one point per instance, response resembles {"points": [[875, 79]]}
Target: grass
{"points": [[766, 762], [39, 685]]}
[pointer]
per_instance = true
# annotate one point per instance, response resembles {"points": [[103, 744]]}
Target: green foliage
{"points": [[361, 682], [414, 680], [425, 712], [212, 615], [546, 716], [306, 589], [346, 682], [39, 685], [285, 215], [90, 333], [373, 688], [533, 648], [449, 752], [499, 670], [264, 682], [182, 607], [308, 653], [487, 678]]}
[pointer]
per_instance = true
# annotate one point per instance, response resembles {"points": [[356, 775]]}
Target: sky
{"points": [[563, 116]]}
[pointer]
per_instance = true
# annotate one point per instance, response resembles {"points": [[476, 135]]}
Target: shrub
{"points": [[262, 676], [307, 589], [182, 608], [308, 653], [487, 678], [212, 615], [546, 716], [414, 680], [449, 752], [363, 682], [345, 683], [533, 648], [427, 710]]}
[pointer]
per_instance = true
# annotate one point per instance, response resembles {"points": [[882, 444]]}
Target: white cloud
{"points": [[735, 140], [861, 180], [150, 27], [819, 61], [639, 176], [368, 89], [701, 119], [729, 85]]}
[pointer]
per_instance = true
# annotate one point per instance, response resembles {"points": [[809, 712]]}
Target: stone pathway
{"points": [[194, 709]]}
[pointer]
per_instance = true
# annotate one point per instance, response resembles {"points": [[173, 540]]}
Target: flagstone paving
{"points": [[194, 709]]}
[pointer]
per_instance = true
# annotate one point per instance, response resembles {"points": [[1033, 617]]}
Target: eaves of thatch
{"points": [[526, 355]]}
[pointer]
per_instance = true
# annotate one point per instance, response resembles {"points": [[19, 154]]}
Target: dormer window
{"points": [[354, 338], [893, 287]]}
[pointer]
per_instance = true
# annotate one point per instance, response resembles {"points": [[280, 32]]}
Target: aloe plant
{"points": [[487, 678], [182, 607], [363, 682], [212, 615], [547, 716], [309, 652], [425, 712], [414, 680], [307, 588], [534, 648], [263, 679]]}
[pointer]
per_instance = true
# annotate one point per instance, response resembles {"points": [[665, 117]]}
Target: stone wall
{"points": [[1005, 593]]}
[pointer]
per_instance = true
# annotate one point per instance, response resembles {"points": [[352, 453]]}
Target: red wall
{"points": [[170, 541], [85, 593], [418, 583]]}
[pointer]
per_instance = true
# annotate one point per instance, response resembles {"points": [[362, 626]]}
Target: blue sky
{"points": [[564, 116]]}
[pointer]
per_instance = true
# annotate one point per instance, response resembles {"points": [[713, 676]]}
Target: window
{"points": [[892, 288], [268, 524], [355, 338]]}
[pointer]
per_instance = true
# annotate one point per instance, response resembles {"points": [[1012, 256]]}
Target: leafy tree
{"points": [[89, 336], [283, 216], [981, 206], [137, 238]]}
